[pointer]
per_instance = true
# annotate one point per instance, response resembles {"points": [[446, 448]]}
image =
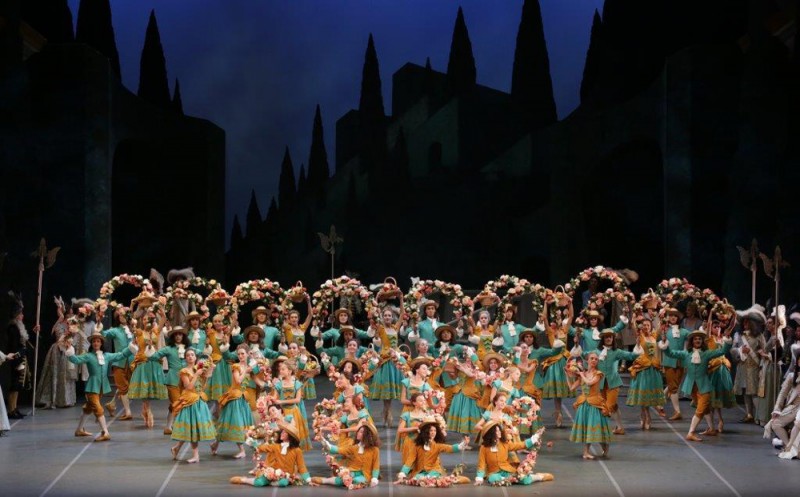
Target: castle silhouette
{"points": [[684, 146]]}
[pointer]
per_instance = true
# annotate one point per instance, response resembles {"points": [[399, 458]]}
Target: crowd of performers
{"points": [[248, 384]]}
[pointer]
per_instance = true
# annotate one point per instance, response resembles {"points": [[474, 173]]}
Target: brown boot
{"points": [[710, 432], [104, 437], [546, 476], [316, 480], [82, 433], [676, 417], [237, 480]]}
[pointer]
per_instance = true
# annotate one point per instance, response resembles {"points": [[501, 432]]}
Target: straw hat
{"points": [[489, 426], [501, 359], [342, 310], [527, 331], [671, 311], [428, 421], [427, 302], [178, 329], [96, 335], [699, 332], [356, 365], [593, 314], [194, 315], [254, 328], [441, 329], [371, 427], [145, 299], [259, 310], [606, 331], [420, 360], [291, 429]]}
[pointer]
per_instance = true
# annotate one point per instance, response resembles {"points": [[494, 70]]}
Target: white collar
{"points": [[595, 334], [101, 357], [427, 446], [181, 350], [603, 353], [360, 448], [284, 448], [494, 448], [676, 331], [696, 356]]}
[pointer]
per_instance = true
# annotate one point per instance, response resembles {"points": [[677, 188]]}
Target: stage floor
{"points": [[41, 457]]}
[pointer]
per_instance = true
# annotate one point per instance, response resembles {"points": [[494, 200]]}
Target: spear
{"points": [[329, 243], [749, 260], [772, 267], [50, 257]]}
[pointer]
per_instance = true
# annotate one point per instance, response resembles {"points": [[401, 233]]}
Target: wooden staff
{"points": [[42, 253]]}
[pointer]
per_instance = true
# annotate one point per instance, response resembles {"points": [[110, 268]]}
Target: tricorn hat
{"points": [[175, 274]]}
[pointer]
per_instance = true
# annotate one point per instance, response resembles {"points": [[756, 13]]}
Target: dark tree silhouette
{"points": [[531, 85], [461, 73], [318, 171], [593, 66], [153, 83], [177, 102], [302, 181], [372, 117], [236, 234], [95, 29], [286, 184], [253, 217]]}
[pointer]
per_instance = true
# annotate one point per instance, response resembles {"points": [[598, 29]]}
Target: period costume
{"points": [[591, 416], [57, 383], [193, 421]]}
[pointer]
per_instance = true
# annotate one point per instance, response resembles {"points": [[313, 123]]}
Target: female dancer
{"points": [[495, 458], [4, 426], [304, 370], [363, 458], [495, 413], [417, 382], [591, 415], [288, 394], [386, 379], [235, 417], [554, 382], [424, 461], [175, 352], [647, 385], [193, 421], [464, 412], [722, 396], [284, 455], [346, 385], [446, 349], [342, 347], [491, 363], [482, 332], [219, 341], [293, 331], [147, 380]]}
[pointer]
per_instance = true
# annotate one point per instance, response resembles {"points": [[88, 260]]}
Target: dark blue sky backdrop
{"points": [[257, 68]]}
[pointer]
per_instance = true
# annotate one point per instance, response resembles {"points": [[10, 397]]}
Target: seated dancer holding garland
{"points": [[424, 462], [284, 462], [495, 463], [363, 460]]}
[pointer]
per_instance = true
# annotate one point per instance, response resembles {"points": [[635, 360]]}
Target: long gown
{"points": [[57, 383]]}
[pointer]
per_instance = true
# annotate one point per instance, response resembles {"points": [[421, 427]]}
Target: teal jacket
{"points": [[610, 366], [121, 342], [590, 344], [675, 344], [174, 362], [333, 334], [200, 346], [697, 374], [510, 341], [98, 374]]}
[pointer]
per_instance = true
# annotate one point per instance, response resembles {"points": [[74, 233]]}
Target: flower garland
{"points": [[517, 287], [432, 481], [527, 410], [326, 416], [350, 293], [619, 289], [273, 475], [424, 288], [674, 290], [344, 473], [525, 467], [436, 400], [269, 292], [108, 288], [181, 290]]}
